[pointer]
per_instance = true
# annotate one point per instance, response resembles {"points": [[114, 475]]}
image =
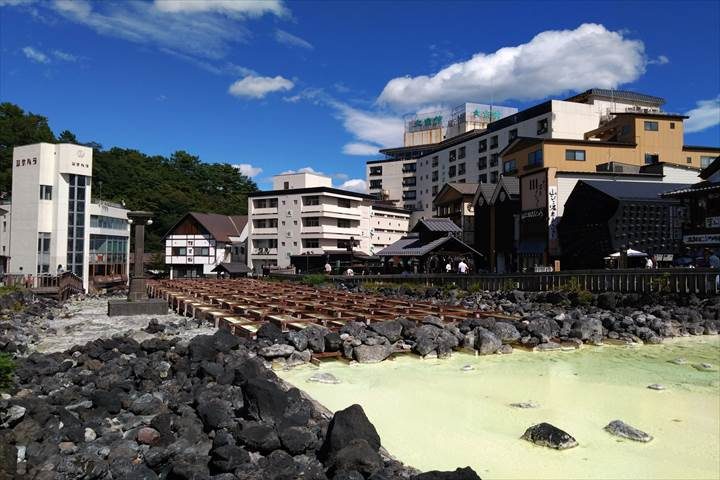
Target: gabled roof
{"points": [[704, 186], [411, 246], [436, 225], [485, 190], [221, 227], [510, 185], [462, 189], [232, 268], [708, 171], [633, 190]]}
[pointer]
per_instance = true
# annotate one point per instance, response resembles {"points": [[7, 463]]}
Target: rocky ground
{"points": [[538, 321], [155, 403]]}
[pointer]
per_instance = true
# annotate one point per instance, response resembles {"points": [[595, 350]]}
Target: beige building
{"points": [[305, 215]]}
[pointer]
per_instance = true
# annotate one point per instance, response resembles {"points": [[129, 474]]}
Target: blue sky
{"points": [[276, 86]]}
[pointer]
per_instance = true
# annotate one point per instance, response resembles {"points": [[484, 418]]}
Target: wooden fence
{"points": [[61, 285], [675, 280]]}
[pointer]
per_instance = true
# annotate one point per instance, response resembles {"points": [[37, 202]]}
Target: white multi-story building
{"points": [[473, 154], [199, 242], [305, 215], [52, 224]]}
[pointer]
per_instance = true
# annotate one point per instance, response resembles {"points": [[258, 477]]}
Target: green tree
{"points": [[66, 136], [18, 128]]}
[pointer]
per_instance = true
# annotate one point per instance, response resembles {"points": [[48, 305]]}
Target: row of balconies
{"points": [[320, 229], [321, 208]]}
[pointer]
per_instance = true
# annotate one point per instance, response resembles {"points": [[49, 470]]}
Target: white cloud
{"points": [[257, 87], [355, 185], [553, 62], [372, 130], [705, 115], [65, 56], [341, 176], [660, 60], [14, 3], [250, 8], [359, 148], [198, 28], [301, 170], [35, 55], [248, 170], [286, 38]]}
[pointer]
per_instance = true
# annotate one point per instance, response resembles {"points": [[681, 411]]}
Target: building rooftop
{"points": [[296, 191], [437, 225], [633, 190], [412, 246], [221, 227], [616, 94]]}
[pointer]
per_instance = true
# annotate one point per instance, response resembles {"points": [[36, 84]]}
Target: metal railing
{"points": [[682, 281]]}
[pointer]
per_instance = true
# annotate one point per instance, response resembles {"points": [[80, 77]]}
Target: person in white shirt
{"points": [[349, 272], [328, 269], [448, 268], [462, 267], [648, 263]]}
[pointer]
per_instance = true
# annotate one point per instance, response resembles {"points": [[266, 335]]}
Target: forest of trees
{"points": [[169, 187]]}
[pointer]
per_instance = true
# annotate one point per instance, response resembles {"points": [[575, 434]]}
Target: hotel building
{"points": [[52, 221], [305, 215], [472, 154]]}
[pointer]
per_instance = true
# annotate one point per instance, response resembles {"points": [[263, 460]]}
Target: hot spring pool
{"points": [[432, 415]]}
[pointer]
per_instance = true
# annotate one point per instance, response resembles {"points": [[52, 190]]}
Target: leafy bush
{"points": [[578, 295], [314, 279], [475, 287], [508, 285], [7, 368]]}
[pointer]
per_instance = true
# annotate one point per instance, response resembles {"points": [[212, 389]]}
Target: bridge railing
{"points": [[64, 284], [671, 280]]}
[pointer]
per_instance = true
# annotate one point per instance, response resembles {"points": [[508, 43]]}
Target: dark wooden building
{"points": [[603, 217]]}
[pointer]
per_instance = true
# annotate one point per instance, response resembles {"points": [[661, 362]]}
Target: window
{"points": [[45, 192], [509, 166], [493, 177], [265, 203], [344, 223], [314, 200], [202, 251], [461, 152], [494, 159], [452, 155], [494, 141], [286, 185], [706, 161], [409, 195], [101, 221], [344, 244], [651, 126], [688, 159], [344, 203], [435, 176], [376, 170], [451, 171], [409, 167], [179, 251], [535, 159], [375, 183], [651, 158], [311, 222], [311, 243], [409, 181], [266, 223], [482, 178], [434, 189], [435, 161], [512, 134], [625, 130], [43, 252], [461, 169], [575, 155], [482, 163], [77, 195], [542, 126], [482, 146], [672, 125]]}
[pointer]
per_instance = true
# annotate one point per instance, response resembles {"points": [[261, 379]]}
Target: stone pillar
{"points": [[137, 281]]}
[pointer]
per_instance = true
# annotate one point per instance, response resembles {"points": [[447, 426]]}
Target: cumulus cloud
{"points": [[705, 115], [250, 8], [355, 185], [553, 62], [257, 87], [35, 55], [359, 148], [286, 38], [301, 170], [248, 170]]}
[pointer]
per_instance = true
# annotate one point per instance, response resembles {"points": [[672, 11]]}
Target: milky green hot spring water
{"points": [[432, 415]]}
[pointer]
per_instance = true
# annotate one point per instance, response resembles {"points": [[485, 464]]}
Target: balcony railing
{"points": [[264, 251]]}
